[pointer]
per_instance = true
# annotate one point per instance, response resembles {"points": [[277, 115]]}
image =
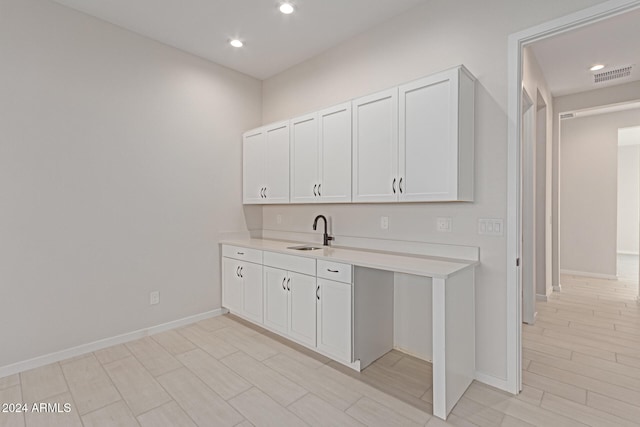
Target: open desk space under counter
{"points": [[341, 303]]}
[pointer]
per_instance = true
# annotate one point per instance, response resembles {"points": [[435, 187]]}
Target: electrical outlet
{"points": [[279, 219], [384, 222], [154, 298], [444, 225]]}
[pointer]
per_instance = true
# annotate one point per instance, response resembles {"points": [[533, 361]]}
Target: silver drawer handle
{"points": [[333, 271], [240, 253]]}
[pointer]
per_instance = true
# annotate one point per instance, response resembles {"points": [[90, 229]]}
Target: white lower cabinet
{"points": [[290, 304], [300, 298], [242, 288], [276, 299], [334, 309]]}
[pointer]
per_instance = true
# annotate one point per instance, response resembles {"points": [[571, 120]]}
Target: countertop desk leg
{"points": [[453, 339]]}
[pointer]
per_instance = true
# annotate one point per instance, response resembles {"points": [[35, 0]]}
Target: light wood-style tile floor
{"points": [[581, 367]]}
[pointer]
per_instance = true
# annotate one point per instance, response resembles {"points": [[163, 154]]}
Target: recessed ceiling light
{"points": [[597, 67], [236, 43], [286, 8]]}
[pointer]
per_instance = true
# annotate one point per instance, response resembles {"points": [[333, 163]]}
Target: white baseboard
{"points": [[588, 274], [496, 382], [542, 298], [57, 356], [557, 288]]}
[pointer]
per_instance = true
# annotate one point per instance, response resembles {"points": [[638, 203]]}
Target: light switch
{"points": [[491, 226]]}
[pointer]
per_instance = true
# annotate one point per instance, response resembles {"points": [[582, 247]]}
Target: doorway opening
{"points": [[516, 176], [628, 238]]}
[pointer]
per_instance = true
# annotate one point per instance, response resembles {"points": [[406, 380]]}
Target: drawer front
{"points": [[290, 262], [243, 254], [335, 271]]}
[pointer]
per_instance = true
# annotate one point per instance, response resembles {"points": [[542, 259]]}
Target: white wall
{"points": [[120, 164], [540, 206], [628, 198], [588, 191], [583, 100], [438, 35]]}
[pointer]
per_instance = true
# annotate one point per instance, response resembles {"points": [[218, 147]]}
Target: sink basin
{"points": [[304, 248]]}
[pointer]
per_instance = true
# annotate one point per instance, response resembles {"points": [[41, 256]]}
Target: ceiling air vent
{"points": [[567, 116], [617, 73]]}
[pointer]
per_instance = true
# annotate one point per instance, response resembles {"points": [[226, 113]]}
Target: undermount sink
{"points": [[304, 248]]}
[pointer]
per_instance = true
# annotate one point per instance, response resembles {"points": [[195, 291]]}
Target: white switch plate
{"points": [[154, 298], [491, 226], [444, 225], [384, 222]]}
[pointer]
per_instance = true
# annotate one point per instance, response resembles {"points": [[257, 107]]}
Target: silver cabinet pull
{"points": [[288, 281], [333, 271], [394, 186], [238, 271], [318, 290], [319, 185], [265, 192], [240, 253], [241, 268], [314, 190], [283, 280], [400, 185]]}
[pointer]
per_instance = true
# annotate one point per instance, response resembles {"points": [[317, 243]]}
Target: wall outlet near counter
{"points": [[444, 225], [154, 298], [384, 222]]}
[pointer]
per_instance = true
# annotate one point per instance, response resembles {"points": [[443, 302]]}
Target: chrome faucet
{"points": [[325, 236]]}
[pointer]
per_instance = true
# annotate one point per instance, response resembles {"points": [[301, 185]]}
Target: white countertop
{"points": [[402, 263]]}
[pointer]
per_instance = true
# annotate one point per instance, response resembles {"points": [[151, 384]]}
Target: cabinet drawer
{"points": [[290, 262], [334, 271], [244, 254]]}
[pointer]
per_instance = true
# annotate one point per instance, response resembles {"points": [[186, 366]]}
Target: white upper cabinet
{"points": [[412, 143], [321, 156], [418, 146], [253, 153], [375, 147], [304, 158], [335, 154], [266, 164], [436, 138]]}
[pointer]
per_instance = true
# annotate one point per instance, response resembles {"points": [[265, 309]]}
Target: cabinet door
{"points": [[304, 159], [302, 308], [277, 163], [375, 147], [253, 163], [335, 154], [275, 299], [334, 319], [428, 138], [252, 305], [231, 285]]}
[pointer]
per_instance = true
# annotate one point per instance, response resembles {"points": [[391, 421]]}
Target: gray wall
{"points": [[120, 163], [438, 35], [589, 190]]}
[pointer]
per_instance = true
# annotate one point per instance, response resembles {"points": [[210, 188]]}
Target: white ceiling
{"points": [[273, 41], [565, 59]]}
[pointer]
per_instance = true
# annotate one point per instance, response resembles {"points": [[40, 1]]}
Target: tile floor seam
{"points": [[71, 393]]}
